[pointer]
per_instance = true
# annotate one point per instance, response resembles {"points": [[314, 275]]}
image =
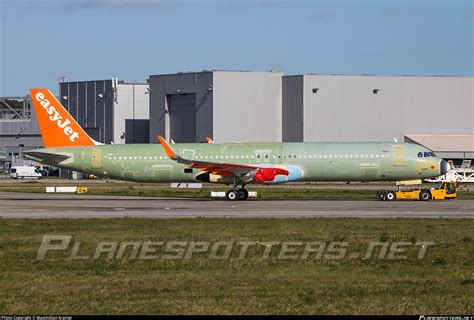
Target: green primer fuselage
{"points": [[353, 161]]}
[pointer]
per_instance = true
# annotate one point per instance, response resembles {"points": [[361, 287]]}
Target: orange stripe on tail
{"points": [[58, 127]]}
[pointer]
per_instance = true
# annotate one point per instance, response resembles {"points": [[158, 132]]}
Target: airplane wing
{"points": [[225, 169], [45, 157]]}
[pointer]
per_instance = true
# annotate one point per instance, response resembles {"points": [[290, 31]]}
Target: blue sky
{"points": [[131, 39]]}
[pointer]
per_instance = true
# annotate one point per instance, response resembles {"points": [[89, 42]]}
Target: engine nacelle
{"points": [[215, 178], [268, 174]]}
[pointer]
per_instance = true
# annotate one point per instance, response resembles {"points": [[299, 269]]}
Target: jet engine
{"points": [[216, 178]]}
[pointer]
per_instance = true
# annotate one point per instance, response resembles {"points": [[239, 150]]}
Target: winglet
{"points": [[167, 148], [209, 140]]}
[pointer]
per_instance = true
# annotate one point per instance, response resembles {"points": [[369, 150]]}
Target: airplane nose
{"points": [[444, 167]]}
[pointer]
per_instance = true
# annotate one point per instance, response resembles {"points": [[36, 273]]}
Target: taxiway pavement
{"points": [[31, 205]]}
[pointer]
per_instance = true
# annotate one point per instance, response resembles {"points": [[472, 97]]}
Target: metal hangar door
{"points": [[182, 117]]}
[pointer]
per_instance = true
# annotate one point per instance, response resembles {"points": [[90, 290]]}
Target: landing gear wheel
{"points": [[425, 195], [378, 195], [243, 194], [232, 195], [381, 195], [390, 196]]}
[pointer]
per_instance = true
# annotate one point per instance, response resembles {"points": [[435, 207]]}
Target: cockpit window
{"points": [[426, 154]]}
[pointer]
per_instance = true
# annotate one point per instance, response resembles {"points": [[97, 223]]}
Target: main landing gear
{"points": [[237, 194]]}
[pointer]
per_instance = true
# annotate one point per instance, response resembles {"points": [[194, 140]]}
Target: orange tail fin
{"points": [[58, 128]]}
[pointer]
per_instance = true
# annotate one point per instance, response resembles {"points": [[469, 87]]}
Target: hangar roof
{"points": [[444, 143]]}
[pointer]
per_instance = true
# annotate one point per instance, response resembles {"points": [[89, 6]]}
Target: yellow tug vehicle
{"points": [[442, 191]]}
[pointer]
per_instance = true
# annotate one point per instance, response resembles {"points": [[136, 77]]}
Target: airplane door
{"points": [[399, 156], [96, 158]]}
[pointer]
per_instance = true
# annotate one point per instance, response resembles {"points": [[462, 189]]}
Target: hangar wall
{"points": [[247, 106], [131, 106], [19, 128], [227, 106], [16, 132], [373, 108], [91, 104], [102, 107], [169, 88]]}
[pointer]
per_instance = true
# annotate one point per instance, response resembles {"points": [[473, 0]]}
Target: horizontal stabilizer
{"points": [[46, 157]]}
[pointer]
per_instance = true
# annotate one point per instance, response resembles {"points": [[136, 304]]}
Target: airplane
{"points": [[68, 146]]}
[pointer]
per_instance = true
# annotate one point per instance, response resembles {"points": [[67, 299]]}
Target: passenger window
{"points": [[426, 154], [420, 154]]}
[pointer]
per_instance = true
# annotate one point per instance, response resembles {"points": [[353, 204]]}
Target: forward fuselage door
{"points": [[399, 159], [96, 158], [396, 166]]}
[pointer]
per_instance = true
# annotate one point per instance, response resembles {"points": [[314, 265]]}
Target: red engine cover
{"points": [[268, 174]]}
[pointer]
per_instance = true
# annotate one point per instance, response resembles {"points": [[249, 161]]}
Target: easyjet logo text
{"points": [[54, 116]]}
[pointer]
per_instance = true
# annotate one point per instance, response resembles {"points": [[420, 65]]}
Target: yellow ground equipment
{"points": [[82, 190], [442, 191]]}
